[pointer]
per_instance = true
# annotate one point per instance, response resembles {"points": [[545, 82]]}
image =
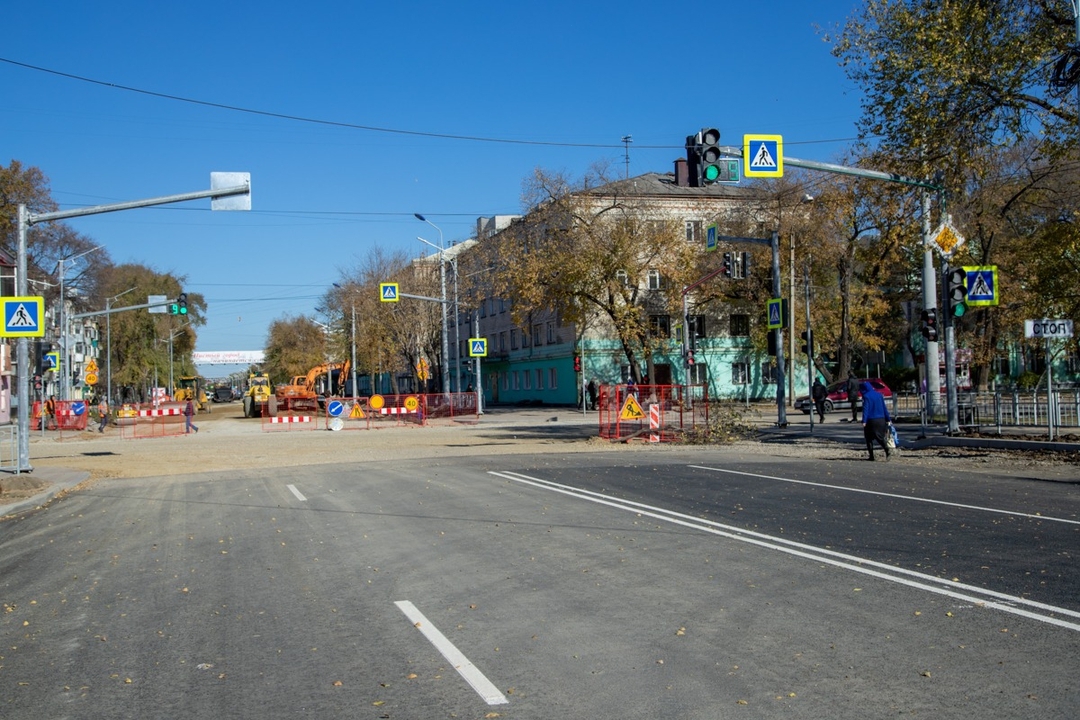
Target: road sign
{"points": [[51, 360], [411, 403], [334, 408], [1048, 328], [763, 155], [356, 413], [78, 408], [710, 237], [91, 378], [775, 308], [91, 367], [947, 239], [158, 304], [477, 347], [376, 402], [22, 316], [982, 284], [388, 292], [631, 409]]}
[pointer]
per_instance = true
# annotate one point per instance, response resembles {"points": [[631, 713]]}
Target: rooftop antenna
{"points": [[627, 139]]}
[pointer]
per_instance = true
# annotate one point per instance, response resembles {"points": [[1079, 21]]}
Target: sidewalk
{"points": [[57, 480]]}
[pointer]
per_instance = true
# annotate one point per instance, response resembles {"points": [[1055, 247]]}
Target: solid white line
{"points": [[486, 689], [980, 508], [297, 493], [820, 555]]}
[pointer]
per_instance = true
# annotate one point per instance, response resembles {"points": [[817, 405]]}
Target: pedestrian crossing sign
{"points": [[388, 292], [982, 283], [477, 347], [22, 316], [763, 155]]}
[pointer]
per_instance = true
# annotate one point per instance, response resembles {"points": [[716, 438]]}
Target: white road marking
{"points": [[978, 596], [486, 689], [297, 493], [980, 508]]}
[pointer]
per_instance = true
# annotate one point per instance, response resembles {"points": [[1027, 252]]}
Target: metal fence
{"points": [[653, 413], [1001, 409]]}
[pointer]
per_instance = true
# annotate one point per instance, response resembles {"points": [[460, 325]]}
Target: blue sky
{"points": [[567, 79]]}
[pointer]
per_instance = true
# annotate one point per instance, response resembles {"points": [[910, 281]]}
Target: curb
{"points": [[59, 479]]}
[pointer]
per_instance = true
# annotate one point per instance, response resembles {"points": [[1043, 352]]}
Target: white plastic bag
{"points": [[893, 440]]}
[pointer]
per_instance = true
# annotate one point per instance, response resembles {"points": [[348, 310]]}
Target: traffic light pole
{"points": [[952, 410]]}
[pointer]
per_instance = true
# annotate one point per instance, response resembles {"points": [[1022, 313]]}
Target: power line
{"points": [[351, 126]]}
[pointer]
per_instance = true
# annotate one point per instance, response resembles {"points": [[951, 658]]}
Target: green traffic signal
{"points": [[957, 291], [712, 173]]}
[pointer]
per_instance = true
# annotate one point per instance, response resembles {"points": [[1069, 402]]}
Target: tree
{"points": [[294, 345], [585, 253]]}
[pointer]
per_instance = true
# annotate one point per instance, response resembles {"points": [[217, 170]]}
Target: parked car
{"points": [[837, 399]]}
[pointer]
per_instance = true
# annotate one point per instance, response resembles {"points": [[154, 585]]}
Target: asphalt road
{"points": [[691, 584]]}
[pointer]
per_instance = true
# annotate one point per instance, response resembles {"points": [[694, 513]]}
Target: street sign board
{"points": [[477, 347], [947, 239], [710, 238], [23, 316], [91, 378], [763, 155], [334, 408], [158, 304], [1048, 328], [388, 292], [775, 308], [982, 284]]}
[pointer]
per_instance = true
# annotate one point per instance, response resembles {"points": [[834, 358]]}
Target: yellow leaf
{"points": [[337, 683], [411, 676], [377, 703], [742, 702]]}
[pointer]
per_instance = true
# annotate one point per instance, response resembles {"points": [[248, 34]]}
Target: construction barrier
{"points": [[651, 413], [290, 414], [71, 415], [364, 413], [146, 420]]}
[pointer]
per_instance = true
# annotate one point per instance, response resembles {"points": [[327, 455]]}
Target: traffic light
{"points": [[689, 358], [772, 342], [929, 327], [181, 302], [957, 281], [710, 155], [808, 342], [727, 265], [706, 164], [577, 363]]}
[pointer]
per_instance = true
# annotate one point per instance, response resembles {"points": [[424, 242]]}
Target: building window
{"points": [[524, 338], [516, 380], [538, 329], [622, 277], [553, 378], [505, 381], [768, 373], [539, 379], [654, 280], [740, 373], [693, 230], [502, 305], [502, 341], [740, 265], [698, 373], [740, 326], [660, 326], [527, 376], [551, 332], [513, 339], [697, 327], [483, 308]]}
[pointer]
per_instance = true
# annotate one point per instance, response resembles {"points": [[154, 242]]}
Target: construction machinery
{"points": [[190, 387], [320, 382], [258, 396]]}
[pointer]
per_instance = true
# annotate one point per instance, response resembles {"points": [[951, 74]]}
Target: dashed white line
{"points": [[297, 493], [472, 675]]}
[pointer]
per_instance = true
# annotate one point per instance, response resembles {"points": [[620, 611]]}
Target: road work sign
{"points": [[631, 409]]}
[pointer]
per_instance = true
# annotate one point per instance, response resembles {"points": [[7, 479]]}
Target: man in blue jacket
{"points": [[875, 419]]}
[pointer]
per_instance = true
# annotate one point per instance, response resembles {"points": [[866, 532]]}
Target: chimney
{"points": [[682, 173]]}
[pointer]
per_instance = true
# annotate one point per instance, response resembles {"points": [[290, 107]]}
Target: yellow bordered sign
{"points": [[631, 409], [23, 317], [763, 155]]}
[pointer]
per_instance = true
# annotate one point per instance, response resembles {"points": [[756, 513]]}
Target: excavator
{"points": [[320, 382]]}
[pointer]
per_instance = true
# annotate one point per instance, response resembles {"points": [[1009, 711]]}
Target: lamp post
{"points": [[442, 281], [352, 342], [62, 357], [108, 344]]}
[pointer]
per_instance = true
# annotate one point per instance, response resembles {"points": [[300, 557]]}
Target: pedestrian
{"points": [[631, 387], [189, 411], [50, 412], [819, 394], [853, 395], [592, 390], [875, 420], [103, 413]]}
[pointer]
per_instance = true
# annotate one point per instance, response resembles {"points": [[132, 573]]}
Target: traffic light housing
{"points": [[772, 342], [929, 327], [808, 342], [577, 363], [181, 301], [727, 265], [957, 292], [707, 165]]}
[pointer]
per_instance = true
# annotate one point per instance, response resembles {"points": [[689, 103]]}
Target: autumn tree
{"points": [[585, 252], [294, 345]]}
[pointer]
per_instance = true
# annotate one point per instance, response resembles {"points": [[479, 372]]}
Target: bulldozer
{"points": [[257, 397], [190, 387]]}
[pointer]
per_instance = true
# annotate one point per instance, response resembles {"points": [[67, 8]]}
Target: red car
{"points": [[837, 399]]}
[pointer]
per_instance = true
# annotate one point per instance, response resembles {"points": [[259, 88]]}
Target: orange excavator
{"points": [[320, 382]]}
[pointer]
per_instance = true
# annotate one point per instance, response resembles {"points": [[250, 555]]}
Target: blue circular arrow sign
{"points": [[335, 408]]}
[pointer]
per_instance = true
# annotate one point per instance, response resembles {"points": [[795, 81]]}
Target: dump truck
{"points": [[258, 396], [190, 387]]}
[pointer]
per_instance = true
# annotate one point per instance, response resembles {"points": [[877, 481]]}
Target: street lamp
{"points": [[442, 281], [352, 341], [62, 357]]}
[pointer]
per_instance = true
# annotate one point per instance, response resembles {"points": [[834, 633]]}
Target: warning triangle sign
{"points": [[356, 413], [631, 409]]}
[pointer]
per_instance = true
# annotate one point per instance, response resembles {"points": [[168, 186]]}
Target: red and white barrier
{"points": [[160, 412], [396, 411], [290, 419]]}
